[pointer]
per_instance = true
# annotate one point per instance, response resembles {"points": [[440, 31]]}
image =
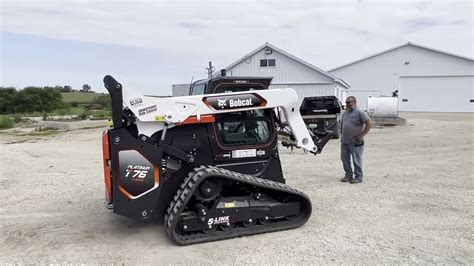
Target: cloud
{"points": [[324, 33]]}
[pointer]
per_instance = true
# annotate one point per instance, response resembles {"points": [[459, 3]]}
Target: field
{"points": [[79, 97], [414, 207]]}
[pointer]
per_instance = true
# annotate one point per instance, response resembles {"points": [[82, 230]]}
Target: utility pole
{"points": [[209, 70]]}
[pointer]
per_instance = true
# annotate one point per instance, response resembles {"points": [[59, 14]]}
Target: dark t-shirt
{"points": [[352, 124]]}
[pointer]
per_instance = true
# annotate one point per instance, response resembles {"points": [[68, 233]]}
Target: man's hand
{"points": [[359, 137], [367, 127]]}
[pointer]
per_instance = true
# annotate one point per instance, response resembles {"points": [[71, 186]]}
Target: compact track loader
{"points": [[207, 162]]}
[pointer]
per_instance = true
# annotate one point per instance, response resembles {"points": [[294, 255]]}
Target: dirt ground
{"points": [[415, 205]]}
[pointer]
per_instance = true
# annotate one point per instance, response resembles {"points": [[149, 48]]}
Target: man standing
{"points": [[355, 124]]}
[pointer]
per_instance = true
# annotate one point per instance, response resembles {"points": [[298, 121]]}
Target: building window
{"points": [[267, 63], [404, 100]]}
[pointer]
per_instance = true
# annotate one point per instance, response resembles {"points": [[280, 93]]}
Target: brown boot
{"points": [[346, 179]]}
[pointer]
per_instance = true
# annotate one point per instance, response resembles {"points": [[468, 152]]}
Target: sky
{"points": [[150, 45]]}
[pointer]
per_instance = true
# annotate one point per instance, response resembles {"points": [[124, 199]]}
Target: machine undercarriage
{"points": [[214, 203]]}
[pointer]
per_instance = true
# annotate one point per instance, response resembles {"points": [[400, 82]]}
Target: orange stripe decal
{"points": [[194, 120], [107, 170]]}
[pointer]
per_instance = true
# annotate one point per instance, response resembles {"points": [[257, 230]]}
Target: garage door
{"points": [[436, 94]]}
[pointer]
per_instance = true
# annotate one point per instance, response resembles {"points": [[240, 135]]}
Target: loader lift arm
{"points": [[154, 114]]}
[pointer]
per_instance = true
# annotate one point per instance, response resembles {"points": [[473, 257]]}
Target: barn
{"points": [[427, 80], [288, 71]]}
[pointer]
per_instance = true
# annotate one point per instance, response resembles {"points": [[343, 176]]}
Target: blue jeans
{"points": [[349, 153]]}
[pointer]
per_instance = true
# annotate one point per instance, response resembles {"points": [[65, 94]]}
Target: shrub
{"points": [[17, 118], [84, 116], [74, 104], [61, 111], [102, 114], [6, 122]]}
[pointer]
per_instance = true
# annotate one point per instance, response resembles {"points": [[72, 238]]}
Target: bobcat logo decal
{"points": [[235, 101], [222, 103]]}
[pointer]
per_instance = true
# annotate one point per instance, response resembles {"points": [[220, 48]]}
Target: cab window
{"points": [[244, 128], [198, 89]]}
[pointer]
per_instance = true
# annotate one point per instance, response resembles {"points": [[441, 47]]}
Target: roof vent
{"points": [[268, 51]]}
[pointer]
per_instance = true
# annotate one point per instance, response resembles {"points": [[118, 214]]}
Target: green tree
{"points": [[35, 99], [86, 87], [8, 99]]}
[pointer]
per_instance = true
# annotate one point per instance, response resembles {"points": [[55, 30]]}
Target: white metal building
{"points": [[288, 71], [427, 80]]}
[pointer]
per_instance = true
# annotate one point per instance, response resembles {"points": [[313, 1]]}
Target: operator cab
{"points": [[240, 136], [243, 127]]}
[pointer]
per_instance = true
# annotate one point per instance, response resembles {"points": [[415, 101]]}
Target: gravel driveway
{"points": [[415, 205]]}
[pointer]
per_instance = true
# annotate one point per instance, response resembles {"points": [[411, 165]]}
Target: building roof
{"points": [[268, 45], [398, 47]]}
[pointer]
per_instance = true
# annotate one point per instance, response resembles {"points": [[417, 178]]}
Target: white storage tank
{"points": [[382, 106]]}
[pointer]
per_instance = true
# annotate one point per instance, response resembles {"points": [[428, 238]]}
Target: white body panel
{"points": [[152, 113]]}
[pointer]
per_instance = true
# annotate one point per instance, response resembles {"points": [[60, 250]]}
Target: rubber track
{"points": [[201, 173]]}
